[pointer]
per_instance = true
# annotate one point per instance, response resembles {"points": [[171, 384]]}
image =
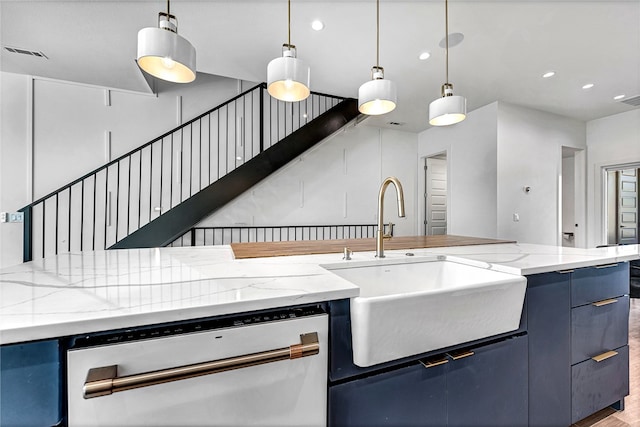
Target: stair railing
{"points": [[102, 207], [224, 235]]}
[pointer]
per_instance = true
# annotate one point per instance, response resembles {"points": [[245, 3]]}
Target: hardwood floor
{"points": [[630, 417]]}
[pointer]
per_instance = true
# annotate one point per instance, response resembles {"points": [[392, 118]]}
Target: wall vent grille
{"points": [[634, 101], [26, 52]]}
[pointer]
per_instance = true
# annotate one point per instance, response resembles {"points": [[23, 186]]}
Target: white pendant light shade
{"points": [[164, 54], [288, 77], [377, 96], [449, 109]]}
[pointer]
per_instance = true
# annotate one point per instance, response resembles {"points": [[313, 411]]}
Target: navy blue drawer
{"points": [[409, 396], [598, 327], [599, 283], [597, 385]]}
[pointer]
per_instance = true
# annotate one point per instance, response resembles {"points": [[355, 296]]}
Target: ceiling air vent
{"points": [[634, 101], [26, 52]]}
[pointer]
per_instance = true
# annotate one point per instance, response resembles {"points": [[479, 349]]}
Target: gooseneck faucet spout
{"points": [[380, 236]]}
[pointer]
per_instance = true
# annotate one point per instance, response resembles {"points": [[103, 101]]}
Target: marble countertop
{"points": [[78, 293]]}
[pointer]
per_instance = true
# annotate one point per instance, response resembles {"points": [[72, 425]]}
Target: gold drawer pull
{"points": [[604, 356], [432, 363], [615, 264], [462, 355], [604, 302]]}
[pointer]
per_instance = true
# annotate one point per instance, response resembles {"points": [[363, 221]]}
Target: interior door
{"points": [[436, 196], [628, 206]]}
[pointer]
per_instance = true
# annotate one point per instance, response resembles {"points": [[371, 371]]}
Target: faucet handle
{"points": [[347, 254], [390, 233]]}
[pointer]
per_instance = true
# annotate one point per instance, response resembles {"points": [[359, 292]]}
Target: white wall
{"points": [[54, 132], [613, 140], [530, 154], [15, 167], [336, 182], [71, 118], [472, 171]]}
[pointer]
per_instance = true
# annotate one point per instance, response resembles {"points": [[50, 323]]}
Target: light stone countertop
{"points": [[78, 293]]}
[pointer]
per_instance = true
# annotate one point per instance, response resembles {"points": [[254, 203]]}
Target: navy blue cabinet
{"points": [[30, 385], [481, 385], [549, 329], [490, 386], [578, 333], [409, 396], [599, 338]]}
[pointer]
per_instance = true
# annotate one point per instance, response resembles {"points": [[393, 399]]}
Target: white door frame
{"points": [[604, 214]]}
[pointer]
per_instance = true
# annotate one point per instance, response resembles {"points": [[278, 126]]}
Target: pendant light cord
{"points": [[377, 33], [168, 10], [289, 22], [446, 38]]}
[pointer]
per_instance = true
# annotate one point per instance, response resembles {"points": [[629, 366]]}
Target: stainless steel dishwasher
{"points": [[261, 369]]}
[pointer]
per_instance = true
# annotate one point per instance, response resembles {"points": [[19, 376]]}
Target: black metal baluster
{"points": [[150, 182], [69, 225], [27, 234], [190, 161], [209, 145], [128, 197], [161, 175], [93, 228], [139, 187], [200, 155], [81, 214], [173, 158], [106, 205], [56, 235], [117, 199]]}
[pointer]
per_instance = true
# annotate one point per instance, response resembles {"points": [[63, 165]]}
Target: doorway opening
{"points": [[435, 195], [621, 196], [572, 198]]}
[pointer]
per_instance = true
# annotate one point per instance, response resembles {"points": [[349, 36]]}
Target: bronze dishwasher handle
{"points": [[104, 380]]}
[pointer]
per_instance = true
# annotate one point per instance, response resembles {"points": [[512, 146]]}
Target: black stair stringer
{"points": [[177, 221]]}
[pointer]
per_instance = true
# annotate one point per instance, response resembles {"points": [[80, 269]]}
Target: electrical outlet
{"points": [[16, 217], [11, 217]]}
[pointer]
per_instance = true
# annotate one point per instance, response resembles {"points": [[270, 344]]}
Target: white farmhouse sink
{"points": [[412, 306]]}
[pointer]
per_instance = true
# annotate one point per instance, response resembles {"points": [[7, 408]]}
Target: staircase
{"points": [[157, 192]]}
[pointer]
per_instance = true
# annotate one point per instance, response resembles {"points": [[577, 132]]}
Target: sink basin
{"points": [[412, 307]]}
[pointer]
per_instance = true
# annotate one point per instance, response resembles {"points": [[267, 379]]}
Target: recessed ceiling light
{"points": [[549, 74], [424, 55], [618, 97], [587, 86], [317, 25]]}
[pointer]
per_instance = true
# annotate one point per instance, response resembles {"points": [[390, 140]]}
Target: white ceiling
{"points": [[508, 45]]}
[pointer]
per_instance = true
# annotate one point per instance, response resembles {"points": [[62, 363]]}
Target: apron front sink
{"points": [[416, 305]]}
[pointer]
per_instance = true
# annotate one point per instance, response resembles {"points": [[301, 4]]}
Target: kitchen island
{"points": [[46, 301]]}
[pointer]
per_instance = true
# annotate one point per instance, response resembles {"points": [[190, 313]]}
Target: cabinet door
{"points": [[490, 386], [549, 330], [409, 396], [30, 388]]}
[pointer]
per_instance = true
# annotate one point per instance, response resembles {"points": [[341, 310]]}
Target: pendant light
{"points": [[288, 77], [165, 54], [449, 109], [377, 96]]}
